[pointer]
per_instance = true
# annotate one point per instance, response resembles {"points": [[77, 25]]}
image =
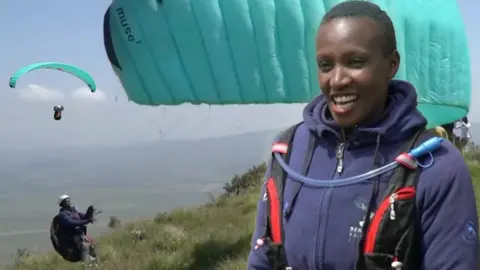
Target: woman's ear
{"points": [[394, 64]]}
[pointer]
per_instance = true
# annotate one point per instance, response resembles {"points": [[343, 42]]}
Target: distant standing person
{"points": [[461, 133]]}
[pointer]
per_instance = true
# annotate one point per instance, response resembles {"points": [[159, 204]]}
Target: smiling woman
{"points": [[410, 218]]}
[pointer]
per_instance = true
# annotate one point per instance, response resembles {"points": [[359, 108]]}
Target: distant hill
{"points": [[166, 161], [180, 162]]}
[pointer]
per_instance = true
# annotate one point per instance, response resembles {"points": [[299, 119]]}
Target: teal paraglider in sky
{"points": [[263, 51], [75, 71]]}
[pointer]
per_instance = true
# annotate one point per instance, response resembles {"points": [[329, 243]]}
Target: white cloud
{"points": [[37, 92], [84, 93]]}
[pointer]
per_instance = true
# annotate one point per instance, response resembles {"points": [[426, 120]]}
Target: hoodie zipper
{"points": [[340, 153]]}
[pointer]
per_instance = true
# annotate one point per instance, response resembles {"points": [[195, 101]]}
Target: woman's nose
{"points": [[339, 78]]}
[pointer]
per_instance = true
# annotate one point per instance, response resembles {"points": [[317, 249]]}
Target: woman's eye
{"points": [[357, 62], [324, 66]]}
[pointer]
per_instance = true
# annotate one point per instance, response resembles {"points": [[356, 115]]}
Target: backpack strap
{"points": [[296, 186], [276, 210]]}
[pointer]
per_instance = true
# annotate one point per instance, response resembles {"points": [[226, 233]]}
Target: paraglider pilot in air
{"points": [[57, 112]]}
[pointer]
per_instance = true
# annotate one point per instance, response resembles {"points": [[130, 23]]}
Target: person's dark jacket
{"points": [[71, 222], [322, 231]]}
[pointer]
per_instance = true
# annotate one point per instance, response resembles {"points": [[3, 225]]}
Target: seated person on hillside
{"points": [[73, 227]]}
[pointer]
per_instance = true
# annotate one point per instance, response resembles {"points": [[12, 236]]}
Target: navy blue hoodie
{"points": [[324, 227]]}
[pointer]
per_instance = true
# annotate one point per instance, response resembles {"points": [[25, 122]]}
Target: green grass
{"points": [[213, 236]]}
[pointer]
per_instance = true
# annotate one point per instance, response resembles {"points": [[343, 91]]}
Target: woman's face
{"points": [[353, 69]]}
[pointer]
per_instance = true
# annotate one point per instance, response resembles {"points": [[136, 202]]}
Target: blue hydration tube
{"points": [[427, 147]]}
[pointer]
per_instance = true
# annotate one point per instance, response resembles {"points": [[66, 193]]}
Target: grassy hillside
{"points": [[213, 236]]}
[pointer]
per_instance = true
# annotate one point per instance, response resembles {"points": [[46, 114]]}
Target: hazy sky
{"points": [[71, 32]]}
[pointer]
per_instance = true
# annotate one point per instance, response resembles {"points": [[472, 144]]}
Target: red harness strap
{"points": [[275, 219], [274, 200]]}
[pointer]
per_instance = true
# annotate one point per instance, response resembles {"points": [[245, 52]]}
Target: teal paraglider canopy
{"points": [[263, 51], [75, 71]]}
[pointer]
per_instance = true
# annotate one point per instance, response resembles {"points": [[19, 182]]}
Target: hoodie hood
{"points": [[401, 117]]}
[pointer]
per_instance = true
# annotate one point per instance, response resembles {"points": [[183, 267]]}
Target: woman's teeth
{"points": [[344, 103], [344, 99]]}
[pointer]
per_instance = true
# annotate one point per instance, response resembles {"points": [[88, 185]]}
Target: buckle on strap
{"points": [[277, 257]]}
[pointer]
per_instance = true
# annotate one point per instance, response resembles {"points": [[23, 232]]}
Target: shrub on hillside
{"points": [[252, 178], [161, 217], [472, 152], [114, 222], [21, 255]]}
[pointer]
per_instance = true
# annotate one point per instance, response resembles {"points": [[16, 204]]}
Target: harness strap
{"points": [[275, 185], [274, 210], [296, 186]]}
